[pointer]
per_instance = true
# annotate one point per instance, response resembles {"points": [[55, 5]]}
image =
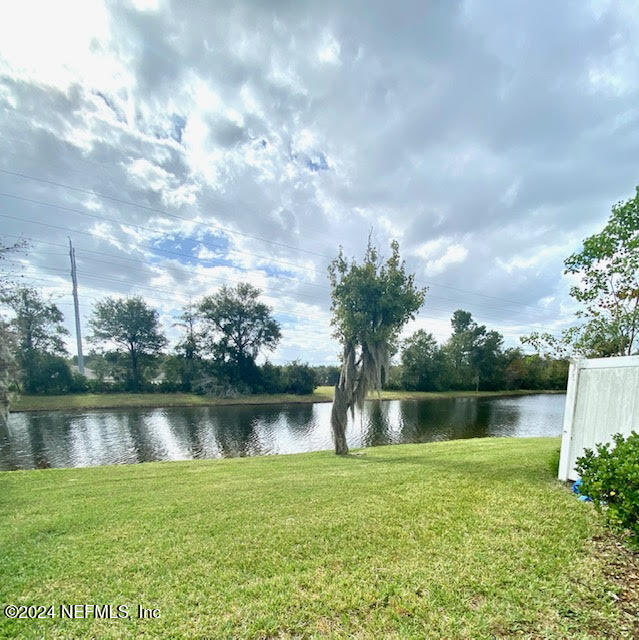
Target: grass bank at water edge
{"points": [[458, 539], [150, 400]]}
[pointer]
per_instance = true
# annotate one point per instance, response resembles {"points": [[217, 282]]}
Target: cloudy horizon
{"points": [[183, 146]]}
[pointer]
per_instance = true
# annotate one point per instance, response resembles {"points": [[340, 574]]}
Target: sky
{"points": [[184, 146]]}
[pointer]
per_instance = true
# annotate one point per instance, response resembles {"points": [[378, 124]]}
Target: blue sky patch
{"points": [[287, 319], [276, 271], [187, 249], [318, 163], [179, 122]]}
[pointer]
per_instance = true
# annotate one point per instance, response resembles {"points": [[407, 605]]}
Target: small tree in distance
{"points": [[371, 302], [131, 324]]}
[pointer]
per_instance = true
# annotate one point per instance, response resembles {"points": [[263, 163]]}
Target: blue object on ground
{"points": [[576, 487]]}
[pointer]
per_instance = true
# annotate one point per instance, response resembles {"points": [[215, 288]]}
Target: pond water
{"points": [[127, 436]]}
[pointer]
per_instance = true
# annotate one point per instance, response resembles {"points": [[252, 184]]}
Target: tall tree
{"points": [[422, 363], [607, 271], [132, 325], [189, 348], [39, 330], [487, 359], [459, 349], [237, 326], [474, 353], [371, 302]]}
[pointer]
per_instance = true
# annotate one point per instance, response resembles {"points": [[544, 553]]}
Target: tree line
{"points": [[473, 358], [221, 338]]}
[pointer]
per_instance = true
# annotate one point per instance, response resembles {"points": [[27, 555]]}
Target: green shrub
{"points": [[79, 383], [611, 478], [294, 377], [299, 378], [49, 374], [272, 378]]}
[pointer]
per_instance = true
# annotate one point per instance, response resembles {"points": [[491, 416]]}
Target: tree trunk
{"points": [[29, 371], [339, 420], [4, 414], [135, 372]]}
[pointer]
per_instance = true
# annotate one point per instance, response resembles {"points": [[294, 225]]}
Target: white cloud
{"points": [[530, 259], [454, 254], [476, 134], [329, 50], [437, 255]]}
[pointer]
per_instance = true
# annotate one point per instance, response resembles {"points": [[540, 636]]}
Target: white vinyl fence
{"points": [[602, 399]]}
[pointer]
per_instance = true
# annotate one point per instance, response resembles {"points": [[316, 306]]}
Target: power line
{"points": [[48, 282], [128, 224], [239, 267], [162, 211], [323, 333], [482, 313], [168, 214], [466, 304], [115, 221], [299, 294], [156, 250], [87, 274], [92, 276], [304, 282]]}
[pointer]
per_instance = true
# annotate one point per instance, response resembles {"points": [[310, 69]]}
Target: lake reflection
{"points": [[127, 436]]}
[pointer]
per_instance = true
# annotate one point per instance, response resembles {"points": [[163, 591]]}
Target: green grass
{"points": [[460, 539], [434, 395], [121, 400]]}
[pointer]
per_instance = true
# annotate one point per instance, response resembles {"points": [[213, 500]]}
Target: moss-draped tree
{"points": [[371, 302], [9, 370]]}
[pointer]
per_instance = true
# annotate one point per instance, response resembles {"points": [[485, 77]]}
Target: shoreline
{"points": [[97, 402]]}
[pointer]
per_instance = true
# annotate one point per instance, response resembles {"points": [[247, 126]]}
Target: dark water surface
{"points": [[127, 436]]}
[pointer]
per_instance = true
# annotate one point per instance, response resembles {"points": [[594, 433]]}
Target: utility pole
{"points": [[76, 304]]}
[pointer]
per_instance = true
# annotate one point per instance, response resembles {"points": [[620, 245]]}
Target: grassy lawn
{"points": [[120, 400], [459, 539]]}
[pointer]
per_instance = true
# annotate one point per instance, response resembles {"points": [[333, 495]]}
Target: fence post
{"points": [[569, 419]]}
